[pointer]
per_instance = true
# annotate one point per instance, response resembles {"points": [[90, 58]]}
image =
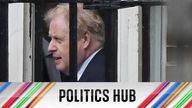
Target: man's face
{"points": [[59, 45]]}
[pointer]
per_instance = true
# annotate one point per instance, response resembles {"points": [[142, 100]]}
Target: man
{"points": [[91, 38]]}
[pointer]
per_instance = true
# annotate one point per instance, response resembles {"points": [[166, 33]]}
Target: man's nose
{"points": [[52, 47]]}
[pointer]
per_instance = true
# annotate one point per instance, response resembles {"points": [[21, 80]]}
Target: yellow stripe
{"points": [[40, 95], [175, 94]]}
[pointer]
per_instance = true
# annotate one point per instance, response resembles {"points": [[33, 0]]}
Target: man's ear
{"points": [[87, 39]]}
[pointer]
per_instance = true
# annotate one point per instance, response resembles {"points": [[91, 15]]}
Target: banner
{"points": [[95, 95]]}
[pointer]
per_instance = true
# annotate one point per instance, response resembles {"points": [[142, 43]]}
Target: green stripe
{"points": [[28, 95], [183, 100]]}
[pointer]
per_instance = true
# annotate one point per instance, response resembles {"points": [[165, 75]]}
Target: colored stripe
{"points": [[40, 95], [189, 105], [153, 95], [173, 96], [166, 94], [28, 95], [183, 100], [16, 95], [1, 83], [4, 86]]}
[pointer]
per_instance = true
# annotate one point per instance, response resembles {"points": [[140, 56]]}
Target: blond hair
{"points": [[87, 20]]}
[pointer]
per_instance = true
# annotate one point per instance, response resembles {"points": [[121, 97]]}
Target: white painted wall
{"points": [[158, 42], [155, 43], [29, 34], [129, 44], [16, 42], [20, 43], [164, 42]]}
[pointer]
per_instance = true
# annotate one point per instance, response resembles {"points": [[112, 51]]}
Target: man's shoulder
{"points": [[95, 71]]}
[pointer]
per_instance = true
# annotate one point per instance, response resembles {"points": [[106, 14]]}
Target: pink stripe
{"points": [[16, 95]]}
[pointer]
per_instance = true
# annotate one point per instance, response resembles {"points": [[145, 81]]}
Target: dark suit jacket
{"points": [[95, 71]]}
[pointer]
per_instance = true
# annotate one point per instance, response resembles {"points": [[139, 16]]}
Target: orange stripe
{"points": [[175, 94], [1, 83], [40, 95]]}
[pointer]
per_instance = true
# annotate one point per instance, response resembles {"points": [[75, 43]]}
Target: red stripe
{"points": [[16, 95], [189, 105], [153, 95]]}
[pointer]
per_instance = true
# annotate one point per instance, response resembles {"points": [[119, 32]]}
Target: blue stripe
{"points": [[2, 87], [166, 94]]}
